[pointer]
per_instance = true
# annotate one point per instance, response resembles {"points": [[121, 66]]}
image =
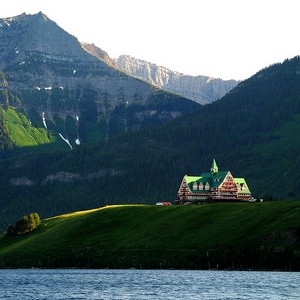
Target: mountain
{"points": [[201, 89], [53, 85], [253, 131]]}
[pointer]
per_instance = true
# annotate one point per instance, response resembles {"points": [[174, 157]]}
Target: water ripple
{"points": [[147, 284]]}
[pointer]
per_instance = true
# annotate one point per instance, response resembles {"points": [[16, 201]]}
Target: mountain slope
{"points": [[206, 236], [201, 89], [56, 77]]}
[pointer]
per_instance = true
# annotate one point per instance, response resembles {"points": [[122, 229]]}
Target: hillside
{"points": [[56, 85], [201, 89], [225, 236]]}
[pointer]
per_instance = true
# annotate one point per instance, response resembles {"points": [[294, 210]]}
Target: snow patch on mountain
{"points": [[66, 140], [44, 121]]}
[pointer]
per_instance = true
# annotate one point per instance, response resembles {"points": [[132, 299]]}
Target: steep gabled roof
{"points": [[242, 183], [215, 179]]}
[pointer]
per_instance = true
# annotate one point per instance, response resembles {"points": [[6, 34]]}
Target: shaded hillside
{"points": [[224, 236], [253, 132], [48, 77]]}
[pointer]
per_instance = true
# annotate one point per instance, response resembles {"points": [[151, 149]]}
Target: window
{"points": [[207, 186], [228, 178]]}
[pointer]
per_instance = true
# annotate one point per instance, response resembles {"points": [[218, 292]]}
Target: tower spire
{"points": [[214, 168]]}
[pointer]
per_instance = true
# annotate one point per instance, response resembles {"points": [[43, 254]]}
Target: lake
{"points": [[147, 284]]}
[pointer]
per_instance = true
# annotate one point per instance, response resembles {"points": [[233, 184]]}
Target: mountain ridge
{"points": [[201, 89], [37, 35]]}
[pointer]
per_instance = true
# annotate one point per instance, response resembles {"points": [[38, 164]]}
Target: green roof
{"points": [[214, 180], [190, 179]]}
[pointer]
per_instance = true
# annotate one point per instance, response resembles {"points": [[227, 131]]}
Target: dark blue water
{"points": [[147, 284]]}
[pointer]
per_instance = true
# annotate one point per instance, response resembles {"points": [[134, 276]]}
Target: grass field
{"points": [[221, 235]]}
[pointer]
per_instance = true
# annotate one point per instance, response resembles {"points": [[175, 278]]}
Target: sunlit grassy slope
{"points": [[237, 235], [20, 130]]}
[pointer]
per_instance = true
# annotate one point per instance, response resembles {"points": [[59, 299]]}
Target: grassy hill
{"points": [[224, 236]]}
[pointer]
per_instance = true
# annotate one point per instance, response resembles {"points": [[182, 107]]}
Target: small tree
{"points": [[36, 219], [24, 225]]}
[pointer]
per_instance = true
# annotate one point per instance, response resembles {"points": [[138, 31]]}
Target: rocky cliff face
{"points": [[202, 89], [73, 88], [100, 54]]}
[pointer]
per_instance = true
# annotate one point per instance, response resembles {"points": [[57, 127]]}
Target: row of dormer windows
{"points": [[206, 186], [201, 186]]}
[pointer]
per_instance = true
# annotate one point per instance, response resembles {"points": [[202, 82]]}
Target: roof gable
{"points": [[242, 183]]}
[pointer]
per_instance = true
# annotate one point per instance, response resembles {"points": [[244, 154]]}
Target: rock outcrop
{"points": [[202, 89]]}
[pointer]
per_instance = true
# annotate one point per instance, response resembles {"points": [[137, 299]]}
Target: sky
{"points": [[228, 39]]}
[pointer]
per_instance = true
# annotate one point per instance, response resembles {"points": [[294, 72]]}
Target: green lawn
{"points": [[227, 235]]}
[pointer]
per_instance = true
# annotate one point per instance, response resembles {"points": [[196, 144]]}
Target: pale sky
{"points": [[229, 39]]}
